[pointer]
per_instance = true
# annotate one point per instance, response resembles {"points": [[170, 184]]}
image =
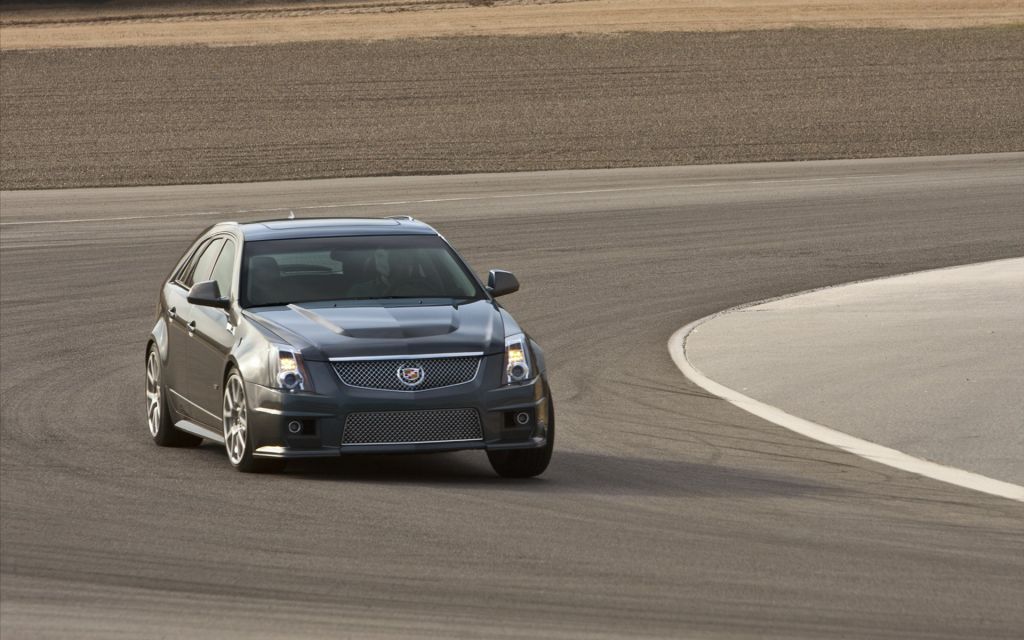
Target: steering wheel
{"points": [[414, 285]]}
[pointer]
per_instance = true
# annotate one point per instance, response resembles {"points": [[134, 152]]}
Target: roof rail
{"points": [[409, 218]]}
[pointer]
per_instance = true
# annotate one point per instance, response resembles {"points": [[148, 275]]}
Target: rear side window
{"points": [[201, 265], [184, 273], [224, 269]]}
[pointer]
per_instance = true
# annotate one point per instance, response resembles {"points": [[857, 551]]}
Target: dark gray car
{"points": [[325, 337]]}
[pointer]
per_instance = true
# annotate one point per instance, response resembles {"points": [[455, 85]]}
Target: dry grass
{"points": [[224, 24]]}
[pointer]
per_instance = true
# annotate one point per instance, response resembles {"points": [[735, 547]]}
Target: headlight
{"points": [[287, 370], [517, 359]]}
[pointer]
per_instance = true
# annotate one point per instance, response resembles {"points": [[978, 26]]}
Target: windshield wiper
{"points": [[337, 300], [401, 297], [269, 304]]}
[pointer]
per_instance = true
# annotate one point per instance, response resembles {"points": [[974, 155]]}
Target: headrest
{"points": [[263, 267]]}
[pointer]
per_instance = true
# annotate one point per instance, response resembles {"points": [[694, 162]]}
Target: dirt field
{"points": [[133, 23], [118, 116]]}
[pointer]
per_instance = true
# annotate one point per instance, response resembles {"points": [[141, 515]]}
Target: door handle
{"points": [[191, 326], [173, 311]]}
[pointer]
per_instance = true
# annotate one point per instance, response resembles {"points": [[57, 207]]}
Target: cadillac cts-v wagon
{"points": [[314, 338]]}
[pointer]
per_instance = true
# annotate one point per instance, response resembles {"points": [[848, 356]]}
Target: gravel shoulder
{"points": [[130, 116]]}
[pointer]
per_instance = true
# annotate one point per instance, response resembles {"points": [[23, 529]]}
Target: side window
{"points": [[184, 273], [204, 265], [224, 269]]}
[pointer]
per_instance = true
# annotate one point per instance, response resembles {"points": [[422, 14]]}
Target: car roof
{"points": [[326, 227]]}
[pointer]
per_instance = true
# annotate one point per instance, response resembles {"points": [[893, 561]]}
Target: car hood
{"points": [[323, 330]]}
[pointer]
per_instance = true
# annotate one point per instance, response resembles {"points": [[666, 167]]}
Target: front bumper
{"points": [[322, 414]]}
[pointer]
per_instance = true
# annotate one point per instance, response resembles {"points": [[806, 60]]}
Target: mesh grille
{"points": [[396, 427], [384, 374]]}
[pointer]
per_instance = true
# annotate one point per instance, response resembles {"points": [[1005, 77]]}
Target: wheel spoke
{"points": [[154, 417]]}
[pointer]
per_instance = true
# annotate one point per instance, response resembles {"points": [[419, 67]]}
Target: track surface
{"points": [[666, 512]]}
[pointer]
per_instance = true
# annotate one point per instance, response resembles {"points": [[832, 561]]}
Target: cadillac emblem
{"points": [[410, 376]]}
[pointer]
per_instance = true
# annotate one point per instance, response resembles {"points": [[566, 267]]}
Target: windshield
{"points": [[276, 272]]}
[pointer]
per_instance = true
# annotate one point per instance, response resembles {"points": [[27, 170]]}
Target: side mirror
{"points": [[207, 294], [500, 283]]}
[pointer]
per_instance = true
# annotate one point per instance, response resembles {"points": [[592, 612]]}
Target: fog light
{"points": [[523, 418], [295, 426]]}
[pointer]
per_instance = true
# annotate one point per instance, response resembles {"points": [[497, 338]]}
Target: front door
{"points": [[179, 333], [212, 340], [188, 315]]}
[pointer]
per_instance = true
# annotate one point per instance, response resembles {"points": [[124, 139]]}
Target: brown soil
{"points": [[77, 117]]}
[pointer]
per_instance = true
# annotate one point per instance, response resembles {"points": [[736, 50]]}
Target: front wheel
{"points": [[237, 442], [526, 463], [158, 418]]}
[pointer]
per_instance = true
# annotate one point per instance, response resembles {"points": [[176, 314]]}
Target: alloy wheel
{"points": [[153, 404], [235, 419]]}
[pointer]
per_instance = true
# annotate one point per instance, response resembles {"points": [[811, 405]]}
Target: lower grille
{"points": [[407, 427]]}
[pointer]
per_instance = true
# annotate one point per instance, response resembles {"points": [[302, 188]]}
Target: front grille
{"points": [[384, 374], [405, 427]]}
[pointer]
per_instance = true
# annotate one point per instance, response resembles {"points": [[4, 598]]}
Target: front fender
{"points": [[158, 337], [249, 355], [538, 356]]}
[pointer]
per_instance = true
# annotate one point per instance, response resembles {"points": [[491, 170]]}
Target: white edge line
{"points": [[821, 433]]}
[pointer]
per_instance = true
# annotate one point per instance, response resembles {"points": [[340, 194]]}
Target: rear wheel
{"points": [[158, 418], [237, 440], [526, 463]]}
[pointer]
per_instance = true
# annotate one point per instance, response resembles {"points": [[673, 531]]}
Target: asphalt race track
{"points": [[666, 512]]}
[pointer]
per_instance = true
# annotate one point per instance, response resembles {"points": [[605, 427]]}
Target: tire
{"points": [[237, 443], [158, 417], [526, 463]]}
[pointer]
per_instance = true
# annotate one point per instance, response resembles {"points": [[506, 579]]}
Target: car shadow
{"points": [[571, 472]]}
